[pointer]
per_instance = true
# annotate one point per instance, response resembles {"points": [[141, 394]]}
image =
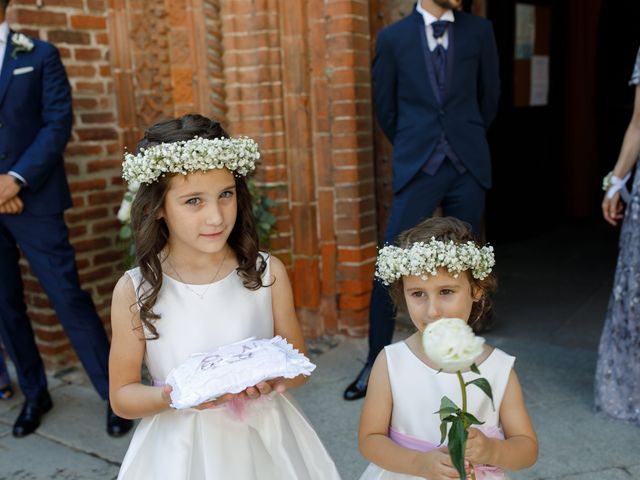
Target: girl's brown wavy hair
{"points": [[151, 233], [448, 229]]}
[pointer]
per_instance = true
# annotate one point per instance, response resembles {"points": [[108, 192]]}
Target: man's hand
{"points": [[8, 188], [13, 206]]}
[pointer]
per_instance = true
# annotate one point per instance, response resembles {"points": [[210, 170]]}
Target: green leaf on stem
{"points": [[447, 412], [443, 432], [470, 419], [483, 385], [449, 418], [474, 368], [456, 445], [446, 402]]}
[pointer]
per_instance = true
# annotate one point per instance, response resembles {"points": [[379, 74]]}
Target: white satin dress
{"points": [[269, 439], [417, 390]]}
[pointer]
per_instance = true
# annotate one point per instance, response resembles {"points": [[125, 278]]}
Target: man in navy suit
{"points": [[35, 125], [436, 89]]}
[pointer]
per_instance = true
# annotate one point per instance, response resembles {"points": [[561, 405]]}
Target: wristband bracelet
{"points": [[613, 184]]}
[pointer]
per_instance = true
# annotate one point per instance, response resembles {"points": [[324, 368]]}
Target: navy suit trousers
{"points": [[43, 240], [459, 195]]}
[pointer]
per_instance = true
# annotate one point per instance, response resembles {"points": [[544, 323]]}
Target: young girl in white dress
{"points": [[202, 283], [399, 431]]}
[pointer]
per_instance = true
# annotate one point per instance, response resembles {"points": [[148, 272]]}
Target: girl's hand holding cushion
{"points": [[253, 393], [165, 394], [217, 402], [265, 388]]}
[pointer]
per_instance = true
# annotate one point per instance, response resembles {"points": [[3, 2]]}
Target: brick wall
{"points": [[79, 29], [293, 74], [297, 80]]}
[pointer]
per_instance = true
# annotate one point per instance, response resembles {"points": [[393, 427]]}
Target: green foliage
{"points": [[447, 407], [483, 385], [460, 421], [456, 445], [262, 208]]}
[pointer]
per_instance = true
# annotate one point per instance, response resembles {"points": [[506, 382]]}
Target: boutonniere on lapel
{"points": [[20, 43]]}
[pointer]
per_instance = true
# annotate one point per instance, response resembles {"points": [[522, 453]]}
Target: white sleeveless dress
{"points": [[417, 390], [270, 440]]}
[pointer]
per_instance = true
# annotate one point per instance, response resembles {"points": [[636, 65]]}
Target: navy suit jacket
{"points": [[408, 110], [35, 125]]}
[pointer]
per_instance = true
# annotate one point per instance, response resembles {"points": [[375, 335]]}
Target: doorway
{"points": [[549, 155]]}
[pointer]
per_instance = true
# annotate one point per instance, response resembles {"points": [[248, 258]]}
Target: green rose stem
{"points": [[463, 387]]}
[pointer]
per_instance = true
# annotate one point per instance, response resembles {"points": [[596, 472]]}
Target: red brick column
{"points": [[349, 91], [254, 97], [303, 207], [310, 111]]}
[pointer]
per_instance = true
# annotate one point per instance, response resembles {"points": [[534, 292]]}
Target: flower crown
{"points": [[422, 259], [239, 155]]}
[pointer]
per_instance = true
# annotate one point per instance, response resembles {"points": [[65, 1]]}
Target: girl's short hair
{"points": [[151, 233], [447, 229]]}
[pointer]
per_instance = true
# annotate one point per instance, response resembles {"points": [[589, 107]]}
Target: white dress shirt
{"points": [[4, 37], [428, 20]]}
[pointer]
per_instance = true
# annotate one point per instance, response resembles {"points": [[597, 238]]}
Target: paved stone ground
{"points": [[550, 308]]}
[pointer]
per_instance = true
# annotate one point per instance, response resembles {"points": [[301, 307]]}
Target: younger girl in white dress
{"points": [[202, 283], [399, 431]]}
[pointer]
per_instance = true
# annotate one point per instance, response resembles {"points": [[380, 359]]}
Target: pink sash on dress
{"points": [[407, 441]]}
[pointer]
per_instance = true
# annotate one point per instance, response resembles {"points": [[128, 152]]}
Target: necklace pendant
{"points": [[199, 295]]}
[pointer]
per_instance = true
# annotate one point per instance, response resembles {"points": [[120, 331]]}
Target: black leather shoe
{"points": [[358, 388], [32, 410], [117, 426]]}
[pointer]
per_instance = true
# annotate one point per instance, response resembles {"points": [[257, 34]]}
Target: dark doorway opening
{"points": [[549, 159]]}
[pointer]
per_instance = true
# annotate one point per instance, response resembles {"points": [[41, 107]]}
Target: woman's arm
{"points": [[373, 436], [611, 207], [520, 447], [128, 396]]}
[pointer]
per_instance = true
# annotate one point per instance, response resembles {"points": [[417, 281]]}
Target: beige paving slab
{"points": [[44, 459], [78, 420]]}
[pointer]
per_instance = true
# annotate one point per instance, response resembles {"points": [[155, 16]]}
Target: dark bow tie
{"points": [[439, 27]]}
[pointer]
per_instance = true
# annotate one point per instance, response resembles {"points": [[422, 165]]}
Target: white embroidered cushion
{"points": [[232, 368]]}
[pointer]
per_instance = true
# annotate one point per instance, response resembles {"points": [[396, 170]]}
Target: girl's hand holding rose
{"points": [[479, 448], [437, 465]]}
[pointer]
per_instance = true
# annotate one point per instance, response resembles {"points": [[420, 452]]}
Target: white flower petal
{"points": [[239, 155], [451, 344]]}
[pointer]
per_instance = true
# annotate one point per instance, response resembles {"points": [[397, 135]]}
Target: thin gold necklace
{"points": [[201, 295]]}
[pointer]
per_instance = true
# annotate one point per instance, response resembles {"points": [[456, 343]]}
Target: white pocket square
{"points": [[20, 71]]}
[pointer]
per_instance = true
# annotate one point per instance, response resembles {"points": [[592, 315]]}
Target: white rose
{"points": [[451, 344], [124, 213]]}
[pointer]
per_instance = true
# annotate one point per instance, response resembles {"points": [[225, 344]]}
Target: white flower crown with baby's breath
{"points": [[422, 259], [239, 155]]}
